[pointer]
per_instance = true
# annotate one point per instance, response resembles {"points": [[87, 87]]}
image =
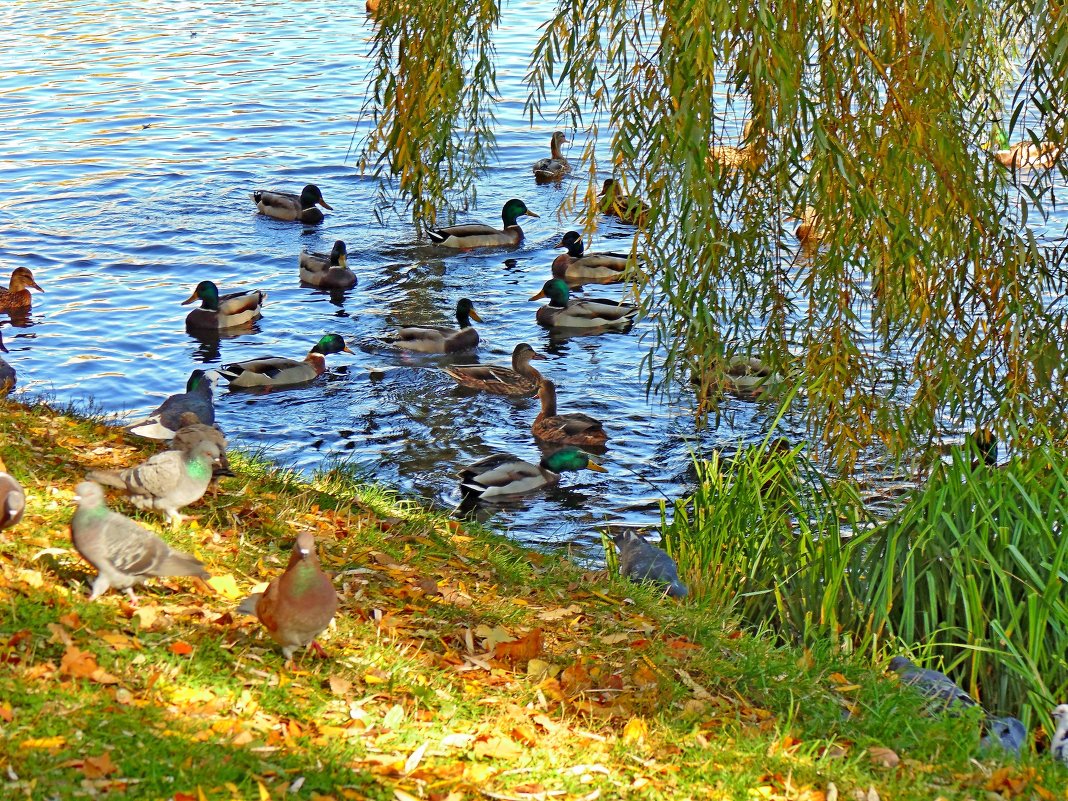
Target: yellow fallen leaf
{"points": [[44, 742], [636, 731], [226, 586], [264, 794]]}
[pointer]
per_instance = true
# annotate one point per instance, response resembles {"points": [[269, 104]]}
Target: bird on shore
{"points": [[165, 419], [519, 379], [167, 481], [12, 499], [577, 267], [1008, 734], [563, 312], [17, 295], [223, 311], [503, 477], [639, 561], [327, 270], [280, 371], [441, 339], [298, 605], [944, 693], [555, 166], [124, 553], [287, 206], [477, 235], [573, 428], [613, 202], [192, 432], [7, 372], [1058, 743]]}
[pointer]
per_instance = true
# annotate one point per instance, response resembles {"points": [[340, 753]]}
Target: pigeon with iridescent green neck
{"points": [[167, 481], [298, 605], [123, 553]]}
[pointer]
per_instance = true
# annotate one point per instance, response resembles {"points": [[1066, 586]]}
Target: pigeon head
{"points": [[899, 664], [89, 492]]}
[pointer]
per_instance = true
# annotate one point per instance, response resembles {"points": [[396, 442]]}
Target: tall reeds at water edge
{"points": [[972, 569]]}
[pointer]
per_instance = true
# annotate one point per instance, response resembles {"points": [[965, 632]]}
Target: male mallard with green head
{"points": [[613, 202], [287, 206], [556, 166], [573, 428], [223, 311], [577, 267], [562, 312], [279, 371], [440, 339], [520, 379], [476, 235], [17, 295], [328, 270], [503, 476]]}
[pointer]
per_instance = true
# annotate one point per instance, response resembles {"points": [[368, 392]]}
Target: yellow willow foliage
{"points": [[925, 300]]}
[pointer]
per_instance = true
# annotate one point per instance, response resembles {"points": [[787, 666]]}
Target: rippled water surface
{"points": [[141, 128]]}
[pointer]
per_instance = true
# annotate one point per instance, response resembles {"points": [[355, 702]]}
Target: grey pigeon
{"points": [[192, 432], [640, 561], [1007, 733], [1058, 743], [7, 372], [167, 481], [939, 687], [12, 499], [123, 553], [166, 419]]}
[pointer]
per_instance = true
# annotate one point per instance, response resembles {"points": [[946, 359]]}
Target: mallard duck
{"points": [[328, 270], [440, 339], [592, 313], [744, 157], [1028, 155], [278, 371], [226, 311], [809, 231], [503, 476], [7, 372], [520, 379], [574, 428], [166, 419], [629, 210], [556, 166], [749, 378], [578, 267], [371, 6], [287, 206], [17, 295], [476, 235]]}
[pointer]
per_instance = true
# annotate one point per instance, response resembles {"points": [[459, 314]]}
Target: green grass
{"points": [[629, 696]]}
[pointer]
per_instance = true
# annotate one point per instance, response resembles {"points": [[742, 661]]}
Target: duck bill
{"points": [[474, 316], [36, 286], [324, 204], [529, 213], [592, 465], [190, 299], [343, 262], [538, 357], [346, 349], [539, 296]]}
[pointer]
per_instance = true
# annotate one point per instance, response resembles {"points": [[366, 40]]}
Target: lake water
{"points": [[140, 129]]}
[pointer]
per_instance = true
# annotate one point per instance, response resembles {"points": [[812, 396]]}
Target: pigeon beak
{"points": [[190, 299], [474, 316], [539, 296], [592, 465]]}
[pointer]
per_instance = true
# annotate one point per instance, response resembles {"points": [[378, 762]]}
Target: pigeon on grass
{"points": [[639, 561], [124, 553]]}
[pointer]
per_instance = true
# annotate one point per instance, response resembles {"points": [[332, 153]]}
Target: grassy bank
{"points": [[604, 690]]}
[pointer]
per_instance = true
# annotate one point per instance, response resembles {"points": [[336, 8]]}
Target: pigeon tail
{"points": [[248, 606], [107, 477], [181, 564]]}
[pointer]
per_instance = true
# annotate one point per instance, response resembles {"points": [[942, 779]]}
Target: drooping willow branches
{"points": [[929, 301]]}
